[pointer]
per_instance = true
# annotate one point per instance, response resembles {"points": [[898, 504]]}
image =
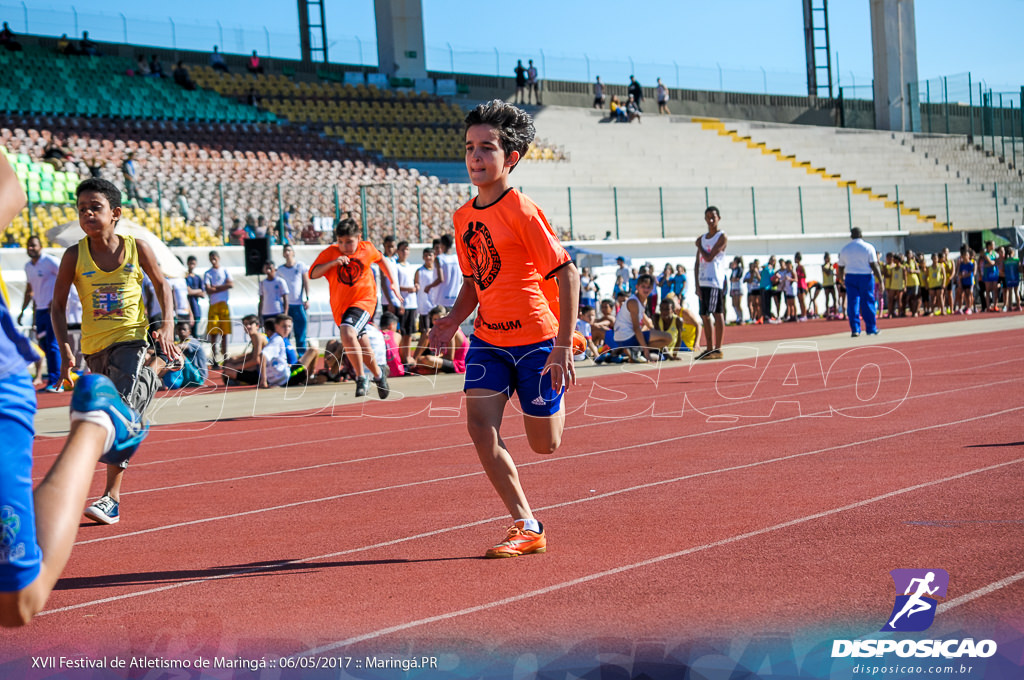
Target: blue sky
{"points": [[742, 45]]}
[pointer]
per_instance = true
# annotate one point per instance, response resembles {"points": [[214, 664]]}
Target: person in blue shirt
{"points": [[37, 529]]}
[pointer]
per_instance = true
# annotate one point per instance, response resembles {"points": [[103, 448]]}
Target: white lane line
{"points": [[980, 592], [649, 562], [492, 519], [659, 374], [448, 447]]}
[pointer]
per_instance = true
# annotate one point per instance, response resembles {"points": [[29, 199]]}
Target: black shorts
{"points": [[299, 376], [407, 322], [357, 319], [712, 301], [424, 323]]}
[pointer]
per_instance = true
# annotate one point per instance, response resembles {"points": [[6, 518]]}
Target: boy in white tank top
{"points": [[712, 271]]}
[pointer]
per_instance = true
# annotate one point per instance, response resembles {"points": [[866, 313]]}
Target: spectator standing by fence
{"points": [[662, 99], [217, 62], [520, 71], [533, 83], [636, 92], [599, 96]]}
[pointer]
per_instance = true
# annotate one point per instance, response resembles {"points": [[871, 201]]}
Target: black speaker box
{"points": [[257, 252]]}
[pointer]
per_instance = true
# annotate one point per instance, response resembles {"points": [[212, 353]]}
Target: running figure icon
{"points": [[920, 589], [915, 604]]}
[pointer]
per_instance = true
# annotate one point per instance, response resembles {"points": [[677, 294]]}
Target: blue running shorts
{"points": [[514, 369], [20, 557]]}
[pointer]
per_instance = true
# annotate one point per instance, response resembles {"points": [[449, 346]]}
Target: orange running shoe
{"points": [[520, 542]]}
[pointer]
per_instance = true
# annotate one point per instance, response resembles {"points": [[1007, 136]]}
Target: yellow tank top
{"points": [[913, 275], [935, 274], [828, 276], [688, 332], [112, 309]]}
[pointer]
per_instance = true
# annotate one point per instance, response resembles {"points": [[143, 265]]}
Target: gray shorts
{"points": [[124, 364]]}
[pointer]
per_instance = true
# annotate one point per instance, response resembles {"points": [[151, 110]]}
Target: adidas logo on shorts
{"points": [[539, 401]]}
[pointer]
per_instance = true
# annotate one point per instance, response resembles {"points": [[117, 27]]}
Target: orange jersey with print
{"points": [[511, 253], [351, 285]]}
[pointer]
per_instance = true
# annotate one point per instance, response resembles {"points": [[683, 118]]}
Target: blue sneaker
{"points": [[104, 511], [95, 392]]}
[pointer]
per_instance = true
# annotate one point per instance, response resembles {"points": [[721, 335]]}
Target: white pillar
{"points": [[400, 45], [894, 46]]}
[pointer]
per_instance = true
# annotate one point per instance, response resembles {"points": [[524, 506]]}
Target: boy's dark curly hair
{"points": [[515, 126], [101, 186]]}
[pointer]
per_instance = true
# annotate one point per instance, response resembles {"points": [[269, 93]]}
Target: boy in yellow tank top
{"points": [[106, 268]]}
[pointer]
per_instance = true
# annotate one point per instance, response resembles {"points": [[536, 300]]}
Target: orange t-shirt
{"points": [[511, 253], [352, 285]]}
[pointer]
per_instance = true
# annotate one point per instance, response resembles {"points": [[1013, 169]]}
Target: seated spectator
{"points": [[682, 325], [584, 324], [618, 111], [183, 207], [633, 110], [254, 65], [236, 236], [275, 369], [95, 166], [334, 367], [392, 341], [65, 46], [451, 360], [195, 368], [244, 369], [633, 330], [249, 231], [88, 47], [251, 98], [56, 153], [156, 69], [603, 323], [217, 62], [141, 67], [182, 77], [8, 41]]}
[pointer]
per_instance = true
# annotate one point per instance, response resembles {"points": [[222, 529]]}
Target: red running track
{"points": [[773, 496]]}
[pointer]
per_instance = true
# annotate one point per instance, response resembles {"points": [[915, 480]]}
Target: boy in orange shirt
{"points": [[517, 272], [346, 265]]}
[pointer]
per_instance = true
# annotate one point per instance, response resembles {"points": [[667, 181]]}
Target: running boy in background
{"points": [[346, 265], [106, 268], [523, 333], [38, 529]]}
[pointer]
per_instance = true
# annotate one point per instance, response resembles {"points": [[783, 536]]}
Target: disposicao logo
{"points": [[914, 611], [915, 608]]}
